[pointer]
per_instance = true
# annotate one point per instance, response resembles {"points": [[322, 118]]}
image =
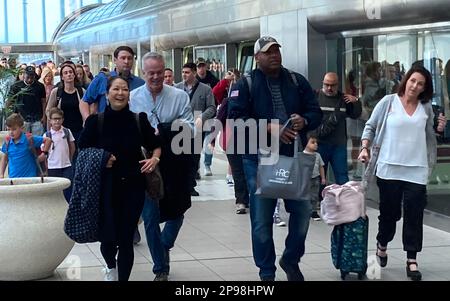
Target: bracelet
{"points": [[157, 159], [364, 147]]}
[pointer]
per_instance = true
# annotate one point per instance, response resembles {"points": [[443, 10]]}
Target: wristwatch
{"points": [[364, 147]]}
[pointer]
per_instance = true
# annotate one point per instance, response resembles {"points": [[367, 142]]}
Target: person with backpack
{"points": [[235, 174], [121, 133], [62, 149], [21, 150], [271, 93], [67, 98]]}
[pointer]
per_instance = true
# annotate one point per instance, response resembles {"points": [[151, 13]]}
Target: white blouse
{"points": [[403, 152]]}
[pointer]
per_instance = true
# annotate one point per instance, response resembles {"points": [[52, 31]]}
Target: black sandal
{"points": [[414, 275], [382, 259]]}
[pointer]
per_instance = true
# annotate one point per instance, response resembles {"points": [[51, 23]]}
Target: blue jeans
{"points": [[261, 216], [208, 154], [337, 156], [159, 242]]}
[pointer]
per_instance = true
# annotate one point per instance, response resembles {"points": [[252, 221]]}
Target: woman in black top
{"points": [[68, 101], [117, 132]]}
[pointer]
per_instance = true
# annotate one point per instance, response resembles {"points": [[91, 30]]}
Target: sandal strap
{"points": [[408, 263], [379, 247]]}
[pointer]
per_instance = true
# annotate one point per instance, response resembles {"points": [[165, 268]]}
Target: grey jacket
{"points": [[202, 101], [375, 129]]}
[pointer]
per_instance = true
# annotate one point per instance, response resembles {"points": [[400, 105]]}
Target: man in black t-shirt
{"points": [[28, 98]]}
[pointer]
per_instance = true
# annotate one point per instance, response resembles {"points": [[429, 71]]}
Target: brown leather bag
{"points": [[154, 185]]}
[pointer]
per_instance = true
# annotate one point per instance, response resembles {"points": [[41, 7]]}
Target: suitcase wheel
{"points": [[360, 276], [343, 275]]}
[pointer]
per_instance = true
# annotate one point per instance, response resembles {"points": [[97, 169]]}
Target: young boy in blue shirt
{"points": [[17, 150]]}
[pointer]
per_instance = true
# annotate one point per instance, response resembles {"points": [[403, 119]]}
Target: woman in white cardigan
{"points": [[403, 140]]}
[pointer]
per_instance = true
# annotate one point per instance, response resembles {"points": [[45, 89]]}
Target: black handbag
{"points": [[154, 185]]}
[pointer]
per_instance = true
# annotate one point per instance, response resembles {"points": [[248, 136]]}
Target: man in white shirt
{"points": [[164, 105]]}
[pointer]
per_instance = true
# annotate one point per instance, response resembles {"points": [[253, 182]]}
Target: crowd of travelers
{"points": [[64, 113]]}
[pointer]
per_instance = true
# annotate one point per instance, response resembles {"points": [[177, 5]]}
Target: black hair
{"points": [[112, 79], [427, 93], [312, 135], [123, 48], [191, 66]]}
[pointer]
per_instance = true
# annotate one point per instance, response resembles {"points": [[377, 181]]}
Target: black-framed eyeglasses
{"points": [[329, 85]]}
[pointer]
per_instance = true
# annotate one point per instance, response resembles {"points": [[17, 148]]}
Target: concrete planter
{"points": [[32, 239]]}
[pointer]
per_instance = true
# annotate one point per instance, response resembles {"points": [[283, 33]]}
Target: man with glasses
{"points": [[336, 106]]}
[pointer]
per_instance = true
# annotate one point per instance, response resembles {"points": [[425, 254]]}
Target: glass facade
{"points": [[35, 21], [372, 66]]}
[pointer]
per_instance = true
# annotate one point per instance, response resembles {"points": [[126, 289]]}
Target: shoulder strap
{"points": [[48, 134], [101, 119], [66, 134], [294, 78], [248, 78], [59, 93], [8, 142], [31, 144], [33, 151], [138, 123], [194, 88], [80, 91]]}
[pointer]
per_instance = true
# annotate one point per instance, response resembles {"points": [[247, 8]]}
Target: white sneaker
{"points": [[110, 274], [230, 181], [278, 221]]}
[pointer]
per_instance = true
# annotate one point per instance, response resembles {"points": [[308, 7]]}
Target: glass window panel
{"points": [[52, 17], [89, 2], [34, 21], [214, 57], [71, 5], [2, 24], [15, 21]]}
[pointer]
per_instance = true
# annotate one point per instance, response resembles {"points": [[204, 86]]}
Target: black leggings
{"points": [[128, 202]]}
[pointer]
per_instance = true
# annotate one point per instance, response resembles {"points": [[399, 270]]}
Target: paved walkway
{"points": [[215, 245]]}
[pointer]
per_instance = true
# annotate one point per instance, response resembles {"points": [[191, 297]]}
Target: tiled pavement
{"points": [[215, 244]]}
